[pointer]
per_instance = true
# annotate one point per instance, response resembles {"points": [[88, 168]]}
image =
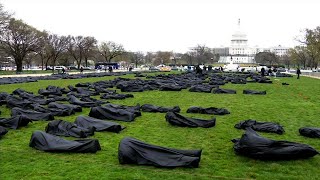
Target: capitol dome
{"points": [[239, 35]]}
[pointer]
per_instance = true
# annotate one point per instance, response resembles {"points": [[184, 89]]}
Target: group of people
{"points": [[274, 71]]}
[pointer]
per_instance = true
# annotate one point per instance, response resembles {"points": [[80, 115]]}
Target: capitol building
{"points": [[240, 52]]}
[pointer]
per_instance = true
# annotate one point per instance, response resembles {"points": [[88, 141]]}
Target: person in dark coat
{"points": [[110, 69], [198, 70], [298, 73], [204, 68], [262, 71], [269, 72]]}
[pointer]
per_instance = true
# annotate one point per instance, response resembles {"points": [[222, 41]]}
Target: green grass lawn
{"points": [[293, 106]]}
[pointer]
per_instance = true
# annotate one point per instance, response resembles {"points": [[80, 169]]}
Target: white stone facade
{"points": [[240, 52]]}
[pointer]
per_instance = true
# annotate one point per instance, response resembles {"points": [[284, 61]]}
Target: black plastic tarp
{"points": [[69, 107], [170, 87], [32, 115], [110, 113], [161, 109], [310, 132], [223, 91], [98, 124], [260, 126], [14, 101], [15, 122], [65, 128], [247, 91], [3, 131], [133, 151], [47, 142], [116, 96], [255, 146], [76, 101], [202, 88], [53, 111], [179, 120], [209, 110], [116, 112]]}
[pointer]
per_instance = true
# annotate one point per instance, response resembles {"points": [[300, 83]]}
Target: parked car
{"points": [[86, 68], [153, 68], [60, 67], [72, 68], [49, 68]]}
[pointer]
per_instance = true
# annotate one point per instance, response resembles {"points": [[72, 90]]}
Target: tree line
{"points": [[27, 45], [305, 55]]}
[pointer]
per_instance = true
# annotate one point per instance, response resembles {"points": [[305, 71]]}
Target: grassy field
{"points": [[293, 106]]}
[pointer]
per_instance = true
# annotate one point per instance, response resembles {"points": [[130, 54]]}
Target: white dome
{"points": [[238, 35]]}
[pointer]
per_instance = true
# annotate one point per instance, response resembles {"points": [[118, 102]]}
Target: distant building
{"points": [[279, 50], [223, 51], [240, 52]]}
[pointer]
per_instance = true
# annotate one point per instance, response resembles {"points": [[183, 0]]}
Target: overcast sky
{"points": [[171, 25]]}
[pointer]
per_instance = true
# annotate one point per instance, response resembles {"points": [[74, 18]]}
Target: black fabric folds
{"points": [[47, 142], [260, 126], [15, 122], [210, 110], [247, 91], [13, 101], [133, 151], [153, 108], [3, 131], [115, 112], [65, 128], [76, 101], [179, 120], [32, 115], [98, 124], [224, 91], [65, 107], [255, 146], [310, 132]]}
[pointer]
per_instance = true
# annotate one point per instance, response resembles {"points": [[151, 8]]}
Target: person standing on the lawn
{"points": [[262, 71], [298, 73]]}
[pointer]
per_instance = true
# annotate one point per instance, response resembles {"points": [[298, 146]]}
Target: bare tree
{"points": [[299, 55], [285, 59], [189, 57], [29, 59], [149, 58], [110, 50], [176, 57], [266, 58], [162, 57], [202, 54], [18, 39], [89, 45], [75, 48], [311, 42], [136, 57], [57, 45], [42, 50]]}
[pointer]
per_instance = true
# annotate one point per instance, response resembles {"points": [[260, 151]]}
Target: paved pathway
{"points": [[316, 76]]}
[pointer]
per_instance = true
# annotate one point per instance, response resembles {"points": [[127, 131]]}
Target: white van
{"points": [[60, 67]]}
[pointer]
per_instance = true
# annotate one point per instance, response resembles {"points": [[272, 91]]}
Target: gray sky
{"points": [[171, 25]]}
